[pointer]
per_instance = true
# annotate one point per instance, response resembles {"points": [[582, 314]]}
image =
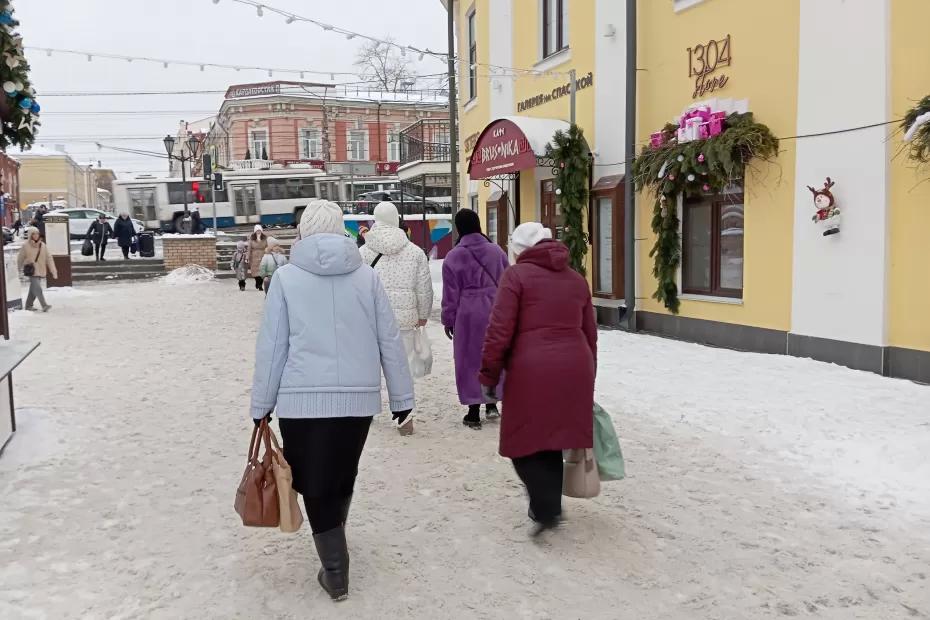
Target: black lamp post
{"points": [[192, 144]]}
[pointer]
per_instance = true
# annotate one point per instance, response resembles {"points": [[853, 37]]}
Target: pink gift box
{"points": [[657, 139], [715, 124]]}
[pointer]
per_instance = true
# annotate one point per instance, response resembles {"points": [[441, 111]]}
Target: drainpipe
{"points": [[453, 109], [629, 202]]}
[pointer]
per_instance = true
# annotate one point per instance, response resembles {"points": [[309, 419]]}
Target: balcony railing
{"points": [[426, 140]]}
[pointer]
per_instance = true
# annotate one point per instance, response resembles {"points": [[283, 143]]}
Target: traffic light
{"points": [[207, 166], [218, 181]]}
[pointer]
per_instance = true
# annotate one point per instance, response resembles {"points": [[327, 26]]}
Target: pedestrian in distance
{"points": [[18, 226], [258, 242], [240, 262], [470, 276], [39, 220], [197, 227], [543, 334], [274, 258], [322, 380], [124, 230], [35, 262], [99, 232], [404, 272]]}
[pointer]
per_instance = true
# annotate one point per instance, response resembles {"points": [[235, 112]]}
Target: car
{"points": [[7, 235], [410, 205], [80, 220]]}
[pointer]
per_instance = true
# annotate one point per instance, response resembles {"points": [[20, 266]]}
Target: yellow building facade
{"points": [[52, 176], [828, 78]]}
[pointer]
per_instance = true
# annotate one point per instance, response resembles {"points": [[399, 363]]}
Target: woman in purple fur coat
{"points": [[470, 275]]}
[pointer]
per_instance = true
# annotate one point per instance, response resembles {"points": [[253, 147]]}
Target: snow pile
{"points": [[189, 274]]}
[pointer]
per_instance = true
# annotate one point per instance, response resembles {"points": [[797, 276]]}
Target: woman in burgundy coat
{"points": [[544, 336]]}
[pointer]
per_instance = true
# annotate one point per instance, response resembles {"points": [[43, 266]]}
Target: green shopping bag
{"points": [[607, 447]]}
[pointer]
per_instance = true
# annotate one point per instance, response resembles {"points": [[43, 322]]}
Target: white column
{"points": [[609, 86], [500, 54], [839, 281]]}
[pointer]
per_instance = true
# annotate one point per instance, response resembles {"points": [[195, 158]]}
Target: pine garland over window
{"points": [[18, 108], [570, 157], [919, 145], [692, 169]]}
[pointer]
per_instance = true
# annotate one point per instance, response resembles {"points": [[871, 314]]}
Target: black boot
{"points": [[491, 412], [334, 556], [473, 418]]}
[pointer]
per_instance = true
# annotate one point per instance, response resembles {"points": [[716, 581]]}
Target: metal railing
{"points": [[425, 140]]}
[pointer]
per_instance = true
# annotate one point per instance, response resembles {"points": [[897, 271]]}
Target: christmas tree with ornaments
{"points": [[19, 111]]}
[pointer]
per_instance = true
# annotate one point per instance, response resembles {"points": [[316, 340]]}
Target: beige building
{"points": [[52, 176]]}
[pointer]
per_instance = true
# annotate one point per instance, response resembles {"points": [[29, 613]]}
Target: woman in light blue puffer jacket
{"points": [[327, 334]]}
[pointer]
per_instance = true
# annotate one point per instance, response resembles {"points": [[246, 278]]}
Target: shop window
{"points": [[311, 144], [357, 145], [555, 26], [497, 220], [608, 238], [258, 144], [712, 244], [473, 202], [551, 208], [472, 57]]}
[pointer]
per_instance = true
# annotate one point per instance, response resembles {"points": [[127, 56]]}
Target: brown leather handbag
{"points": [[581, 478], [257, 495]]}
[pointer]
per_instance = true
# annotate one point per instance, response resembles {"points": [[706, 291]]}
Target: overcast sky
{"points": [[192, 30]]}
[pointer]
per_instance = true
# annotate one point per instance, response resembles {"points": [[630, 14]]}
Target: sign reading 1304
{"points": [[705, 59]]}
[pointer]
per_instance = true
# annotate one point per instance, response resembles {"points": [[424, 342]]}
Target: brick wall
{"points": [[189, 250]]}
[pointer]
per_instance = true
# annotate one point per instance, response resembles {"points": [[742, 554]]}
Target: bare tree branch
{"points": [[383, 64]]}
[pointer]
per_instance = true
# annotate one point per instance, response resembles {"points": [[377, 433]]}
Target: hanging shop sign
{"points": [[556, 93], [254, 90], [502, 148], [470, 142], [704, 63]]}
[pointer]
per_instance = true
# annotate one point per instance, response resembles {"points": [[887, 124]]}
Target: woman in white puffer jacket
{"points": [[403, 269]]}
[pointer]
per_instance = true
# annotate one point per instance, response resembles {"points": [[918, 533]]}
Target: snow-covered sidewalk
{"points": [[759, 486]]}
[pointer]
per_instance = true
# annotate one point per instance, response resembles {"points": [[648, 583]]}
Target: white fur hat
{"points": [[258, 228], [322, 217], [527, 235], [386, 213]]}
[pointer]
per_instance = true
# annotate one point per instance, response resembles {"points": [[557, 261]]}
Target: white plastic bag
{"points": [[420, 354]]}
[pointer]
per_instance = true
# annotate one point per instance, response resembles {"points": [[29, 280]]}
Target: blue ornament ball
{"points": [[25, 103], [36, 108], [6, 18]]}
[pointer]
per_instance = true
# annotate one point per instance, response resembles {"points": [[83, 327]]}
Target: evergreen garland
{"points": [[18, 108], [692, 169], [570, 157], [919, 146]]}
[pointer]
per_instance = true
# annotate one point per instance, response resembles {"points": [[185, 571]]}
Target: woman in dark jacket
{"points": [[543, 334], [99, 232], [124, 230]]}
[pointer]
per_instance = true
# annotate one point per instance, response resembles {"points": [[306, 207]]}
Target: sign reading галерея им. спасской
{"points": [[556, 93]]}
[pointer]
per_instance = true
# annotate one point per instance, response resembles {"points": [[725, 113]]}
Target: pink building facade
{"points": [[326, 126]]}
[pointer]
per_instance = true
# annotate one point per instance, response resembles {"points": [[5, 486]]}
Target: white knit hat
{"points": [[322, 217], [527, 235], [386, 213], [258, 228]]}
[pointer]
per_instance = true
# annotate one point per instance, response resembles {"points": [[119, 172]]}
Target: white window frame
{"points": [[353, 154], [253, 142], [471, 28], [561, 20], [681, 5], [393, 143], [311, 143]]}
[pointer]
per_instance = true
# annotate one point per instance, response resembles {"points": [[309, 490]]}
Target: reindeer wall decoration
{"points": [[828, 214]]}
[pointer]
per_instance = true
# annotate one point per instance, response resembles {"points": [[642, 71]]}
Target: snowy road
{"points": [[760, 486]]}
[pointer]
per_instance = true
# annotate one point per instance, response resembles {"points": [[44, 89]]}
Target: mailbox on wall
{"points": [[58, 239]]}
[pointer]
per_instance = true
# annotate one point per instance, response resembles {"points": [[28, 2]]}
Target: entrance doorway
{"points": [[497, 218], [551, 209], [608, 239]]}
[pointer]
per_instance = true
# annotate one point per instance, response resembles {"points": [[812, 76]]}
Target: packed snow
{"points": [[189, 274], [758, 486]]}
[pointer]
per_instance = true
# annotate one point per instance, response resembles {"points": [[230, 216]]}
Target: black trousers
{"points": [[324, 454], [541, 473], [259, 282], [99, 249], [125, 249]]}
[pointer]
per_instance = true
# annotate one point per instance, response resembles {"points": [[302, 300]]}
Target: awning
{"points": [[511, 144]]}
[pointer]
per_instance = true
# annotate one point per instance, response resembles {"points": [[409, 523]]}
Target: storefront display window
{"points": [[712, 242]]}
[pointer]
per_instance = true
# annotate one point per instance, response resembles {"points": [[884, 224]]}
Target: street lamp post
{"points": [[192, 143]]}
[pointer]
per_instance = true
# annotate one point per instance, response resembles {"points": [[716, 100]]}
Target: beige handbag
{"points": [[289, 507], [581, 478]]}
